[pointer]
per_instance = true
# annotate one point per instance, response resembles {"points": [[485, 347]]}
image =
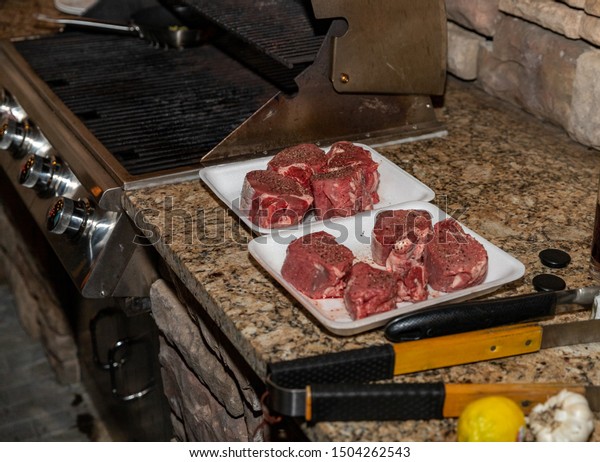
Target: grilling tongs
{"points": [[334, 386]]}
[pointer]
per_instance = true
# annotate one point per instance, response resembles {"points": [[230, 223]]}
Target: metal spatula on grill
{"points": [[145, 24]]}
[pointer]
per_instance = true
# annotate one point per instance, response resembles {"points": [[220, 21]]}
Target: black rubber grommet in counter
{"points": [[555, 258], [548, 282]]}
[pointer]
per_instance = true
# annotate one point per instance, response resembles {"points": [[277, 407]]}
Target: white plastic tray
{"points": [[355, 232], [395, 186]]}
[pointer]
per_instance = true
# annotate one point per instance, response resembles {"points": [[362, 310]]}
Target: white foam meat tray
{"points": [[355, 233]]}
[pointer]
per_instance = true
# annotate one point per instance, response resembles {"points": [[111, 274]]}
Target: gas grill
{"points": [[86, 116]]}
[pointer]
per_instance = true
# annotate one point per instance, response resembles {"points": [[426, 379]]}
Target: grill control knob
{"points": [[9, 106], [67, 216], [12, 133], [39, 172]]}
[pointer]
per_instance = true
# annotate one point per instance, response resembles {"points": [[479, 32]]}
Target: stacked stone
{"points": [[542, 55], [39, 311]]}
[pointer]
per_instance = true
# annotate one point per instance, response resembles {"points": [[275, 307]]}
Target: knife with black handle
{"points": [[476, 315]]}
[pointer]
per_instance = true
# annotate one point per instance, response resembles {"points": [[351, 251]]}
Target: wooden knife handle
{"points": [[469, 347], [526, 395]]}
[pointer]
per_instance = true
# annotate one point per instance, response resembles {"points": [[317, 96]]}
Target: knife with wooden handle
{"points": [[475, 315], [334, 386]]}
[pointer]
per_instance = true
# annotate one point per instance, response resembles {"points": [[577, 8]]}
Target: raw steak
{"points": [[392, 226], [317, 265], [455, 260], [299, 162], [272, 200], [340, 193], [399, 242], [369, 291], [344, 153]]}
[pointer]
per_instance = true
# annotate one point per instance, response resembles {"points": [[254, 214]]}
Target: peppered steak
{"points": [[369, 290], [272, 200], [345, 153], [399, 242], [455, 260], [340, 193], [299, 162], [316, 265]]}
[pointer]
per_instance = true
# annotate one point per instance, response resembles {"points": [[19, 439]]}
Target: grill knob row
{"points": [[67, 216], [12, 133], [40, 173], [9, 106], [20, 138]]}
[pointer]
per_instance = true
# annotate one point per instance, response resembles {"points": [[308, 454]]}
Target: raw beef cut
{"points": [[340, 193], [455, 260], [369, 291], [299, 162], [344, 153], [392, 226], [316, 265], [399, 242], [272, 200]]}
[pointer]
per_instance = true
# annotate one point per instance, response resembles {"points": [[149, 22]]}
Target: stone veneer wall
{"points": [[38, 308], [542, 55]]}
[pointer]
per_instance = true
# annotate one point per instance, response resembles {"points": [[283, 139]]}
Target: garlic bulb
{"points": [[564, 417]]}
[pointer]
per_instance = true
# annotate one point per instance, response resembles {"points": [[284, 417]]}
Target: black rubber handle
{"points": [[396, 401], [469, 316], [361, 365]]}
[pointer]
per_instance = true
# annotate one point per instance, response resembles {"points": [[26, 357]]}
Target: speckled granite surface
{"points": [[520, 183], [17, 17]]}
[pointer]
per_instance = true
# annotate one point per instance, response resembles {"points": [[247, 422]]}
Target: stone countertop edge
{"points": [[520, 183]]}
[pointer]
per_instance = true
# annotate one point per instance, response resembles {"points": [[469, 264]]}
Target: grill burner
{"points": [[153, 109]]}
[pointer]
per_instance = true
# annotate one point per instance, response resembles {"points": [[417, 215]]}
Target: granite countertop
{"points": [[520, 183], [17, 18]]}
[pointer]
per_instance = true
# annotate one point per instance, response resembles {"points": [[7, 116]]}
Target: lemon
{"points": [[493, 418]]}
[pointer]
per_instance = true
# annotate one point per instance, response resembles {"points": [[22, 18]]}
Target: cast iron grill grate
{"points": [[152, 109]]}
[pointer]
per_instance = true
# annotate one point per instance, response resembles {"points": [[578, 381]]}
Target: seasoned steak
{"points": [[455, 260], [400, 229], [340, 193], [369, 291], [299, 162], [317, 266], [272, 200], [344, 153], [399, 242]]}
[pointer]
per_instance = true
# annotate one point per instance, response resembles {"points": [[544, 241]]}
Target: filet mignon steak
{"points": [[454, 260], [299, 162], [369, 291], [340, 193], [344, 153], [316, 265], [272, 200], [399, 242]]}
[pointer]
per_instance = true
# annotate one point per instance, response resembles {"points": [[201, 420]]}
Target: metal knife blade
{"points": [[570, 333], [476, 315]]}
